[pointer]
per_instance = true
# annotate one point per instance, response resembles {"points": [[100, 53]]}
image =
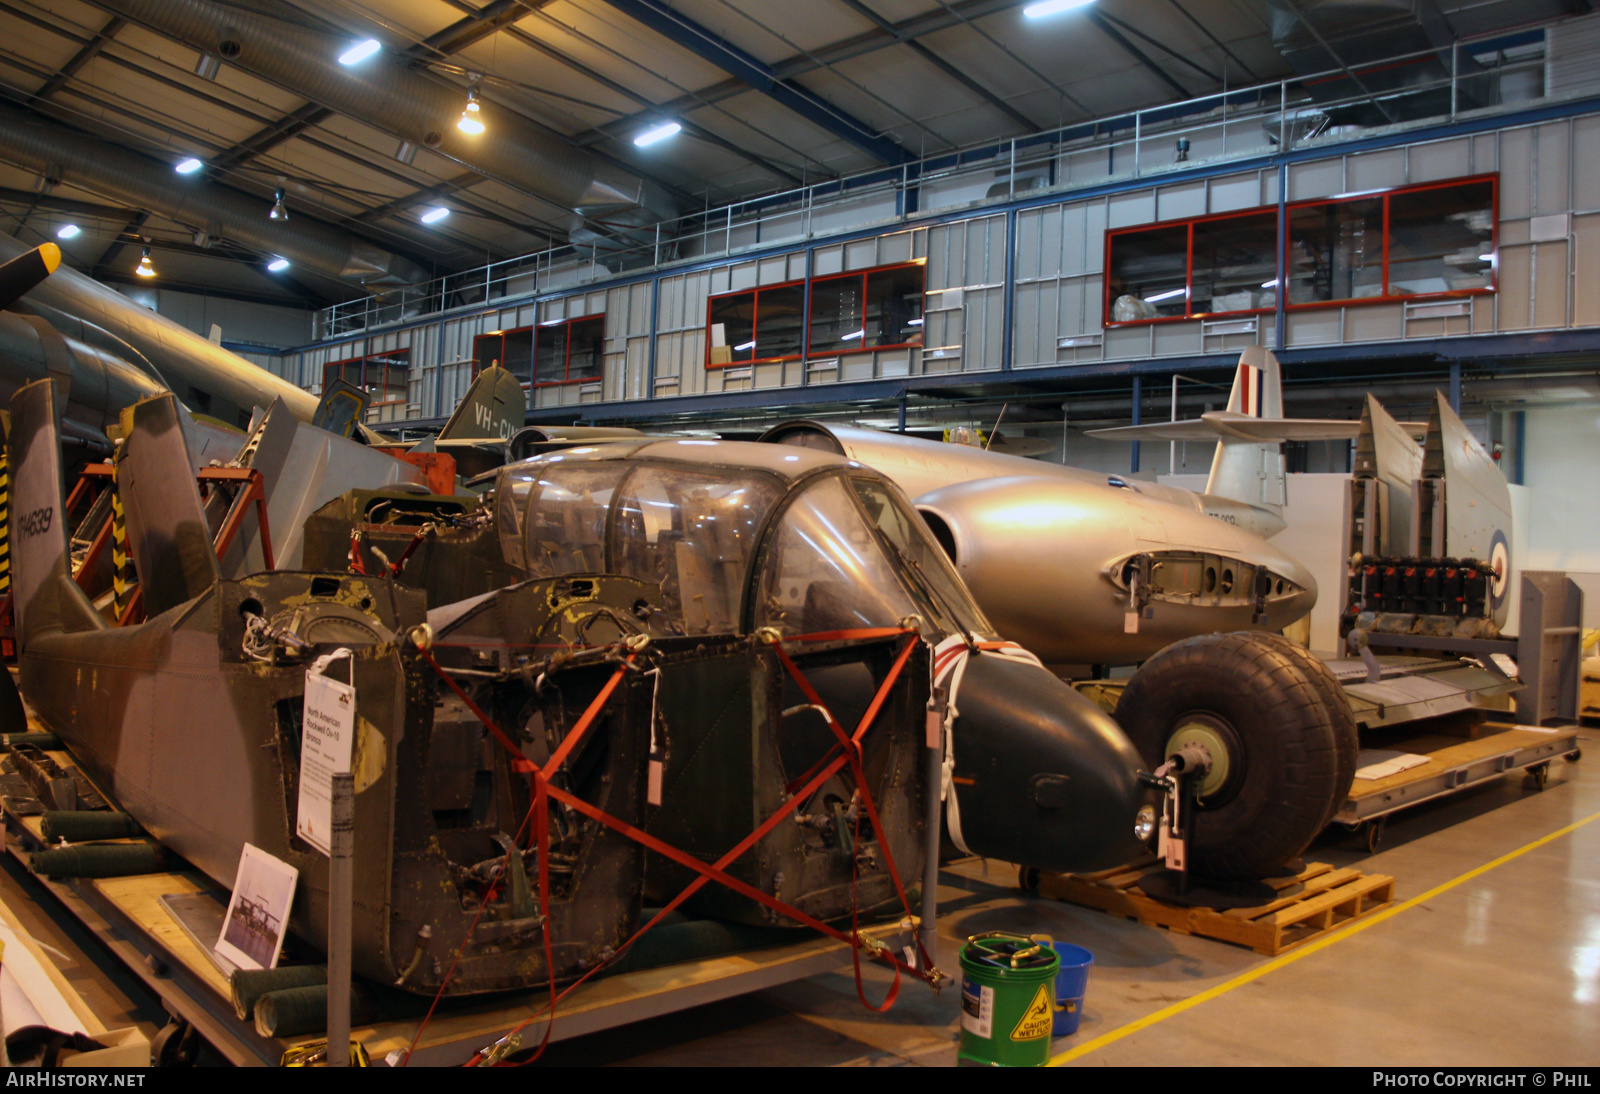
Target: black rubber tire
{"points": [[1346, 735], [1285, 768]]}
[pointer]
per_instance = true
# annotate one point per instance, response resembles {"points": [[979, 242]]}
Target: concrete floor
{"points": [[1500, 969]]}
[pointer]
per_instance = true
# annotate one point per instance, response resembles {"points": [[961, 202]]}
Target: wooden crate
{"points": [[1320, 899]]}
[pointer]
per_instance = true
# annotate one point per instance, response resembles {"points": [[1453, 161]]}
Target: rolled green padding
{"points": [[294, 1012], [37, 740], [249, 985], [99, 860], [86, 824]]}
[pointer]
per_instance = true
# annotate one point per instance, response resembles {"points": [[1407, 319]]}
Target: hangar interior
{"points": [[964, 221]]}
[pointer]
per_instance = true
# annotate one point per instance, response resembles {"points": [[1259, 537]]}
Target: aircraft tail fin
{"points": [[168, 535], [1246, 470], [492, 410], [44, 596]]}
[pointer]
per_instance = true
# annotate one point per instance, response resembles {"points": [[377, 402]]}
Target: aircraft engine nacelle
{"points": [[97, 385], [1060, 567]]}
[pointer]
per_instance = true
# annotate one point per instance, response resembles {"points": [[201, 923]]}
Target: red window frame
{"points": [[863, 275], [755, 321], [566, 361], [805, 318], [533, 351], [364, 366], [1386, 297]]}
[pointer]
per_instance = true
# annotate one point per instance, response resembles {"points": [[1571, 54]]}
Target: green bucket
{"points": [[1007, 1001]]}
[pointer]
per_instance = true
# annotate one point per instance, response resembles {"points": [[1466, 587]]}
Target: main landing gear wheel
{"points": [[1275, 753], [1346, 735]]}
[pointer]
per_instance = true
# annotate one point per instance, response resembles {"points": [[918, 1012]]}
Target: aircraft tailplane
{"points": [[1247, 470], [45, 597], [493, 409]]}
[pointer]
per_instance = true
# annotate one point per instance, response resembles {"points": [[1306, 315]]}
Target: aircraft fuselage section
{"points": [[1060, 567], [1049, 551]]}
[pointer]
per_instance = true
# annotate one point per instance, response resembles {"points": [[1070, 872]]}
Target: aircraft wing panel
{"points": [[1211, 427]]}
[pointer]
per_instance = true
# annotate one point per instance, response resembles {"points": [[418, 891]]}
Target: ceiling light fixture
{"points": [[359, 52], [144, 268], [470, 121], [1052, 7], [657, 133], [188, 166], [67, 231], [278, 265], [434, 215], [279, 211]]}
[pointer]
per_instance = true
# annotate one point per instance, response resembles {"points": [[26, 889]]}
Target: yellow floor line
{"points": [[1304, 951]]}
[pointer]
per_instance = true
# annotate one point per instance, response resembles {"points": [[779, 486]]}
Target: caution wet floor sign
{"points": [[1035, 1021]]}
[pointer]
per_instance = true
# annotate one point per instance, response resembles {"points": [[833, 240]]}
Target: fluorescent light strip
{"points": [[1053, 7], [359, 52], [434, 215], [188, 166], [657, 133]]}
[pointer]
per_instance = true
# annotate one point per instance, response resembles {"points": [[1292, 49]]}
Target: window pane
{"points": [[1149, 273], [564, 532], [518, 353], [488, 349], [828, 571], [894, 306], [691, 533], [1235, 264], [586, 338], [735, 315], [779, 314], [1336, 251], [550, 360], [836, 319], [929, 567], [1441, 240]]}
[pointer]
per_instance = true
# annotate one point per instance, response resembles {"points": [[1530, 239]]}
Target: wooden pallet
{"points": [[1319, 900]]}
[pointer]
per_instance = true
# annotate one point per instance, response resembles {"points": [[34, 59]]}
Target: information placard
{"points": [[328, 731]]}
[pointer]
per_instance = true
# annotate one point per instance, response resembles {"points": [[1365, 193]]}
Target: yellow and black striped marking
{"points": [[5, 521], [121, 570]]}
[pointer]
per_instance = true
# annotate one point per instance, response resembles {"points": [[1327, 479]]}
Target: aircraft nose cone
{"points": [[1043, 777]]}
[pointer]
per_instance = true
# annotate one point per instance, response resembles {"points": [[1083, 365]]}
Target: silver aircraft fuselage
{"points": [[1083, 567], [206, 378]]}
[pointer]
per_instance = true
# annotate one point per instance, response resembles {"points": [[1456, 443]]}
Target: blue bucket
{"points": [[1071, 981]]}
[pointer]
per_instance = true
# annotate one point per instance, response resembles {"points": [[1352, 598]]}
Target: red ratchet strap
{"points": [[715, 872], [393, 569], [538, 813], [849, 745], [852, 749]]}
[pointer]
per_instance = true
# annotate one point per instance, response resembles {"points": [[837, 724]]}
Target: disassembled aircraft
{"points": [[1089, 569], [695, 562]]}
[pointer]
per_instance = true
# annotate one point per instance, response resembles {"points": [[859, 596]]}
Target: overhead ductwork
{"points": [[1319, 37], [411, 105], [140, 182]]}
